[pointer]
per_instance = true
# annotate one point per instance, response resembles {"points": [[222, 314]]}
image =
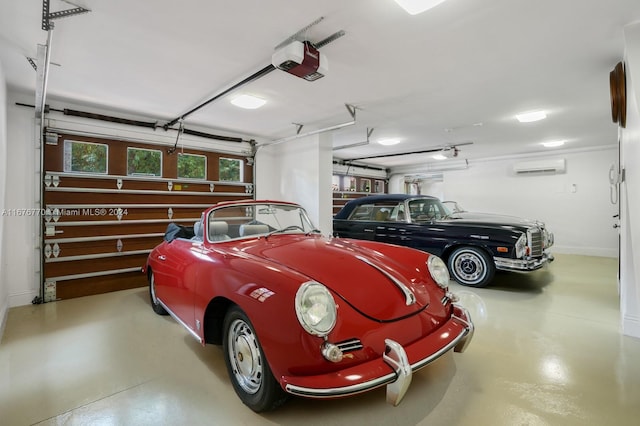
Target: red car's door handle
{"points": [[162, 257]]}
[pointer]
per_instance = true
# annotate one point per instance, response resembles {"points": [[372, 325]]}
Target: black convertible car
{"points": [[473, 245]]}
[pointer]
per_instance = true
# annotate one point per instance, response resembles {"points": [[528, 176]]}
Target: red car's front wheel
{"points": [[247, 366], [157, 307]]}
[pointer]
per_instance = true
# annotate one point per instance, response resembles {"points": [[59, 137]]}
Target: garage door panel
{"points": [[100, 227], [88, 215], [111, 245], [67, 266], [96, 230], [98, 285], [56, 196]]}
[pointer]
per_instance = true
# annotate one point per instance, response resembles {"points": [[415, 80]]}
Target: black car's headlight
{"points": [[438, 271], [521, 246], [315, 308]]}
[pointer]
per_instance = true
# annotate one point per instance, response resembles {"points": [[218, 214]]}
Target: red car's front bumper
{"points": [[393, 369]]}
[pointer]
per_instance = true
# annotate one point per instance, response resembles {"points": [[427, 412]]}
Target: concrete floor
{"points": [[547, 351]]}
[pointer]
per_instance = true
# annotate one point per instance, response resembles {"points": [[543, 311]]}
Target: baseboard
{"points": [[585, 251], [631, 326], [4, 313], [22, 299]]}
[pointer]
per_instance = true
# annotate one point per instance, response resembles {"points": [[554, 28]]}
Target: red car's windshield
{"points": [[243, 220]]}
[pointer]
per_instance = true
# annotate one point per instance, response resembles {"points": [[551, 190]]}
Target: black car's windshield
{"points": [[421, 210]]}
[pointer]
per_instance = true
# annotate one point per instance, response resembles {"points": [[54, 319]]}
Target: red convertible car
{"points": [[303, 314]]}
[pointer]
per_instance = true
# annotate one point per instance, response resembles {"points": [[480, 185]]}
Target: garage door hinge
{"points": [[49, 291]]}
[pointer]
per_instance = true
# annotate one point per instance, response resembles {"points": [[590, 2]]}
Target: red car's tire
{"points": [[157, 307], [247, 366]]}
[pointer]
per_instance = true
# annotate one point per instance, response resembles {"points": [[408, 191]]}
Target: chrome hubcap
{"points": [[469, 267], [244, 354]]}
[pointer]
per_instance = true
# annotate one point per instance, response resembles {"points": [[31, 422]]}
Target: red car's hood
{"points": [[372, 283]]}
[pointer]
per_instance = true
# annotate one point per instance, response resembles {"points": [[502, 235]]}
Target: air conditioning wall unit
{"points": [[557, 165]]}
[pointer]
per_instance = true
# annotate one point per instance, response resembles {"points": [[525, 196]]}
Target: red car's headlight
{"points": [[315, 308], [438, 271]]}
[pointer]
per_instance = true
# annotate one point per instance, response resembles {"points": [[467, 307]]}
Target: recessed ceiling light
{"points": [[552, 144], [388, 142], [248, 101], [529, 117], [439, 157], [413, 7]]}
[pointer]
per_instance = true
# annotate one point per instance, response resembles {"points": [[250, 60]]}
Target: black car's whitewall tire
{"points": [[247, 366], [471, 266], [157, 307]]}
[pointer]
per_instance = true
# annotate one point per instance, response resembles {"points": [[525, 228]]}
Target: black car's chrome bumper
{"points": [[522, 264]]}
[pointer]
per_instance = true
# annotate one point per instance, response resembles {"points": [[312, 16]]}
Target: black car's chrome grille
{"points": [[535, 240], [350, 345]]}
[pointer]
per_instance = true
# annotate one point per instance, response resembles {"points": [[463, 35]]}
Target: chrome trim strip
{"points": [[93, 274], [101, 238], [178, 320], [409, 297], [121, 222], [96, 256], [345, 390], [143, 191], [424, 362], [126, 206], [350, 345], [470, 327]]}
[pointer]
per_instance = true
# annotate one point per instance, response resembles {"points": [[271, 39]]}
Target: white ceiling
{"points": [[429, 79]]}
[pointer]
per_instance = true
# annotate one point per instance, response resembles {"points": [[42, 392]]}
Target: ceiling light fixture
{"points": [[439, 157], [248, 101], [389, 142], [553, 144], [528, 117], [414, 7]]}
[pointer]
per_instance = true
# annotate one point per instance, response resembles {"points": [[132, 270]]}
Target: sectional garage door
{"points": [[107, 203]]}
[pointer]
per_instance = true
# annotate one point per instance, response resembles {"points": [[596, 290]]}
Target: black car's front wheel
{"points": [[247, 366], [471, 266]]}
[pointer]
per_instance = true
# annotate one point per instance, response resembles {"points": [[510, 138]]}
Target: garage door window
{"points": [[230, 170], [144, 162], [191, 166], [85, 157]]}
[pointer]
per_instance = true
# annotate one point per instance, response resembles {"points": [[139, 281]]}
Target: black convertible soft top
{"points": [[372, 199], [178, 231]]}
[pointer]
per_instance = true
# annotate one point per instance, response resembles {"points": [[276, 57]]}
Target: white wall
{"points": [[20, 259], [582, 221], [629, 189], [300, 171], [4, 291]]}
